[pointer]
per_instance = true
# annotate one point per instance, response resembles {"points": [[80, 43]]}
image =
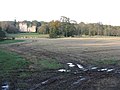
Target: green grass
{"points": [[10, 41], [107, 61], [29, 35], [49, 64], [10, 61]]}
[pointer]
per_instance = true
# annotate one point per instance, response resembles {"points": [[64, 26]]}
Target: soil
{"points": [[83, 51]]}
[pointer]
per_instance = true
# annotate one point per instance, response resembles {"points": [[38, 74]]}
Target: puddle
{"points": [[44, 82], [110, 70], [71, 65], [49, 81], [79, 81], [94, 68], [62, 70], [5, 86], [78, 68]]}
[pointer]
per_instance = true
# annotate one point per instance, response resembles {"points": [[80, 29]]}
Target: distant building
{"points": [[32, 29], [23, 27]]}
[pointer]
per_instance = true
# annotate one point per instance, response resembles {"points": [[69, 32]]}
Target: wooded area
{"points": [[65, 27]]}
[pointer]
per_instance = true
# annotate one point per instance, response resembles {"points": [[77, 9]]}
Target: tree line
{"points": [[70, 28], [65, 27]]}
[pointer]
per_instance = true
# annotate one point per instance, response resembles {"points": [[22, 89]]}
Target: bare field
{"points": [[83, 50], [103, 52]]}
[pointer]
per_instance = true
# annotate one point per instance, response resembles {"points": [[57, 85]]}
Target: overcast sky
{"points": [[88, 11]]}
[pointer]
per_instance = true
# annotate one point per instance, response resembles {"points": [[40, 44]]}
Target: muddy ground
{"points": [[84, 51]]}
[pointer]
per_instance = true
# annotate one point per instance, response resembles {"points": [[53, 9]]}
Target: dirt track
{"points": [[85, 51]]}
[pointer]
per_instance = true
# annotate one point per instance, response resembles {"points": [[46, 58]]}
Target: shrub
{"points": [[53, 33], [2, 34], [11, 29]]}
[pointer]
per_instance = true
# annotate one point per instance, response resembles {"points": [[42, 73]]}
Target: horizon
{"points": [[87, 11]]}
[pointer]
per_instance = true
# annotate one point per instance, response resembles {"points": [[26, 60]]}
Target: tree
{"points": [[70, 30], [68, 26], [11, 29], [34, 23], [82, 27], [4, 25], [64, 22], [76, 29], [9, 26], [53, 33], [54, 27], [43, 29], [2, 34]]}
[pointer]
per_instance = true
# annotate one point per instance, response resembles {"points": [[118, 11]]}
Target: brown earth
{"points": [[85, 51]]}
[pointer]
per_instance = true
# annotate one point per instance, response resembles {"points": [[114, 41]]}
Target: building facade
{"points": [[23, 27]]}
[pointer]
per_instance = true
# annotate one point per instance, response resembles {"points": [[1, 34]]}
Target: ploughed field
{"points": [[85, 64]]}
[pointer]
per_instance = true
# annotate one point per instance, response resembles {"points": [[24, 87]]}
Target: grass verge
{"points": [[10, 41], [10, 61], [29, 35]]}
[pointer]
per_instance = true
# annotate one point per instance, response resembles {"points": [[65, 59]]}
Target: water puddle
{"points": [[5, 86], [79, 81], [80, 68], [70, 64]]}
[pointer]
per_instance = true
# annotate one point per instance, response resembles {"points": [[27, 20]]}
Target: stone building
{"points": [[23, 27], [32, 29]]}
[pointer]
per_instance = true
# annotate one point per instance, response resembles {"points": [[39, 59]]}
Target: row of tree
{"points": [[66, 27]]}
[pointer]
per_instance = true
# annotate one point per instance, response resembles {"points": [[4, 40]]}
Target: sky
{"points": [[88, 11]]}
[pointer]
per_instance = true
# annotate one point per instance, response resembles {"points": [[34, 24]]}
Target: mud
{"points": [[85, 78]]}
